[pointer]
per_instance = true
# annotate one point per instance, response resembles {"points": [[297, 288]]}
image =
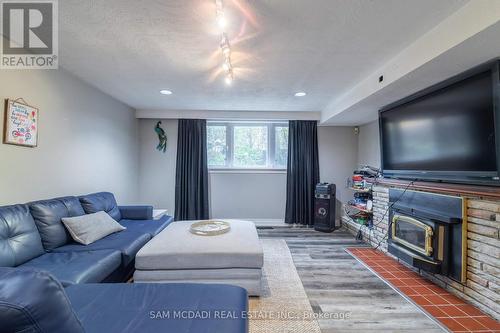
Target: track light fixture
{"points": [[225, 46]]}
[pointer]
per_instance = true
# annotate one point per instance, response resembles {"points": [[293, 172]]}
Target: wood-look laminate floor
{"points": [[339, 286]]}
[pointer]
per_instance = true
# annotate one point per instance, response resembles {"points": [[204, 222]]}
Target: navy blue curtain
{"points": [[302, 171], [191, 178]]}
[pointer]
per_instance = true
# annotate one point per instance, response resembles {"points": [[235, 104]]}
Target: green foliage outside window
{"points": [[281, 152], [216, 145], [250, 146]]}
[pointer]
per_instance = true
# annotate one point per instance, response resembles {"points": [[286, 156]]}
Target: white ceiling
{"points": [[132, 49], [448, 64]]}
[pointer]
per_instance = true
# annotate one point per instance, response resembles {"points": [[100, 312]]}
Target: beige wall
{"points": [[157, 169], [244, 195], [369, 145], [87, 141], [338, 148], [258, 196]]}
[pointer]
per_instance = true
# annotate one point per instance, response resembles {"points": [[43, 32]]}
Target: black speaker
{"points": [[324, 207]]}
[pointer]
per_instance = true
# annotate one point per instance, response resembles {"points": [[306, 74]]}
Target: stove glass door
{"points": [[412, 233]]}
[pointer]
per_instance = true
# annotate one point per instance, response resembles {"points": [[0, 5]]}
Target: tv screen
{"points": [[448, 132]]}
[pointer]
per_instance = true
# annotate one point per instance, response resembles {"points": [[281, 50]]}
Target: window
{"points": [[247, 145], [217, 146], [281, 148]]}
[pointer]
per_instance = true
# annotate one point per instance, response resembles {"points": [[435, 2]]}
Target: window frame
{"points": [[271, 145]]}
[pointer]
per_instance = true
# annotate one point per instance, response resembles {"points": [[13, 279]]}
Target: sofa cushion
{"points": [[34, 301], [87, 229], [152, 227], [136, 212], [74, 206], [103, 201], [145, 307], [78, 267], [19, 237], [48, 214], [127, 242]]}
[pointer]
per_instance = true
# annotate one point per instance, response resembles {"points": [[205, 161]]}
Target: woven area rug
{"points": [[284, 306]]}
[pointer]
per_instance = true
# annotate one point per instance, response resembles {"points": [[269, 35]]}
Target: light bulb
{"points": [[224, 43], [221, 21], [226, 51], [226, 66]]}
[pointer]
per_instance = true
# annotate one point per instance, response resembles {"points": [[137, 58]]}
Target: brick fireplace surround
{"points": [[482, 286]]}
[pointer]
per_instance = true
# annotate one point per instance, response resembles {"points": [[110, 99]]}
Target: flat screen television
{"points": [[449, 132]]}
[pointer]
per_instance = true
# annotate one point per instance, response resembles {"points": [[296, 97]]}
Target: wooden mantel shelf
{"points": [[447, 188]]}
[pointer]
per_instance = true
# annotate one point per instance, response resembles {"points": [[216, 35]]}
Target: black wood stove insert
{"points": [[428, 231]]}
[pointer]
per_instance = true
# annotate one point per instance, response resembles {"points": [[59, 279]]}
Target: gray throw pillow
{"points": [[89, 228]]}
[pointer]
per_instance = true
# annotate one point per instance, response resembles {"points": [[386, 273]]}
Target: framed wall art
{"points": [[20, 124]]}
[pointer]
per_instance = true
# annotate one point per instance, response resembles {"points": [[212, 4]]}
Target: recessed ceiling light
{"points": [[166, 92], [300, 94]]}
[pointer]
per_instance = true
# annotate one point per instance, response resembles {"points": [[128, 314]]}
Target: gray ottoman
{"points": [[176, 255]]}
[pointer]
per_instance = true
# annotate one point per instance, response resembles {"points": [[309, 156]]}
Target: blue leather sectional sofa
{"points": [[33, 301], [49, 283], [32, 235]]}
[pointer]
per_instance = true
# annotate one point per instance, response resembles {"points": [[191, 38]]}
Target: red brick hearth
{"points": [[448, 309]]}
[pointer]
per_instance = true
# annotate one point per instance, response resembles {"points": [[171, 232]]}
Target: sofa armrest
{"points": [[136, 212]]}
